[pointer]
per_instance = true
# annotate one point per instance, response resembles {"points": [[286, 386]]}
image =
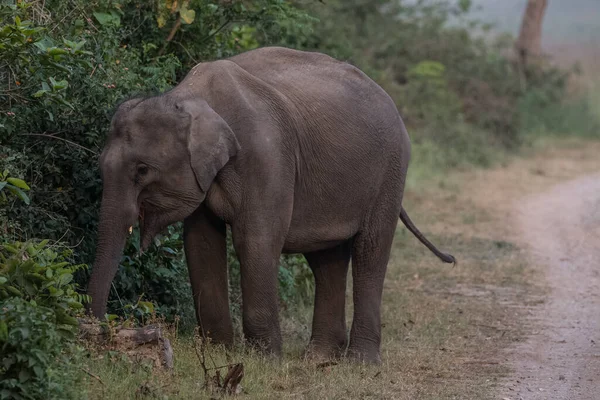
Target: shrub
{"points": [[159, 275], [67, 69], [452, 80], [38, 301], [36, 361], [42, 276]]}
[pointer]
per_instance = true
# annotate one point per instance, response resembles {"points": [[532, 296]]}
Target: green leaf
{"points": [[56, 51], [40, 93], [2, 184], [3, 280], [66, 278], [108, 19], [60, 85], [19, 193], [44, 44], [111, 317], [75, 305], [39, 371], [18, 183], [24, 376], [3, 331], [187, 16], [148, 306], [66, 332]]}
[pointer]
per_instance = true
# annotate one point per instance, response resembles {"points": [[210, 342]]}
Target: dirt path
{"points": [[561, 358]]}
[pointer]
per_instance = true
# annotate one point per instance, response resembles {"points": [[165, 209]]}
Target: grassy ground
{"points": [[444, 328]]}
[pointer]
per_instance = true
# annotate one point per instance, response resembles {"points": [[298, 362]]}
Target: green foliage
{"points": [[296, 282], [65, 66], [36, 362], [159, 275], [12, 190], [15, 186], [43, 276], [457, 88]]}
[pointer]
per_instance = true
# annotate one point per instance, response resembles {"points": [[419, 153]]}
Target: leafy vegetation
{"points": [[67, 70], [38, 300], [40, 275], [37, 361]]}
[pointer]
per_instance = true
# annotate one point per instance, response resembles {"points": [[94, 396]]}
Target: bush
{"points": [[38, 301], [66, 71], [36, 361], [159, 275], [42, 276], [453, 82]]}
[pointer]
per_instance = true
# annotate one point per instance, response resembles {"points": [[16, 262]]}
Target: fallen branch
{"points": [[145, 342], [92, 375]]}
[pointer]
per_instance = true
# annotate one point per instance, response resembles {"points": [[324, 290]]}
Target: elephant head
{"points": [[161, 156]]}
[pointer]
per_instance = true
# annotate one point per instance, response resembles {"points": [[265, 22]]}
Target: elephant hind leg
{"points": [[370, 256], [330, 268]]}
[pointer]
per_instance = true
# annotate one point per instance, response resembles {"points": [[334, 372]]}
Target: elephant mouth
{"points": [[143, 218], [151, 222]]}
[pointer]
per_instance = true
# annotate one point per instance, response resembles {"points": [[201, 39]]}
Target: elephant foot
{"points": [[321, 352], [364, 356], [270, 347]]}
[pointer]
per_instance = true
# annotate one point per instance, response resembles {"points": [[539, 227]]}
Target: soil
{"points": [[560, 358]]}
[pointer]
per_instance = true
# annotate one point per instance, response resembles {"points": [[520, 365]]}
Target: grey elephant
{"points": [[295, 151]]}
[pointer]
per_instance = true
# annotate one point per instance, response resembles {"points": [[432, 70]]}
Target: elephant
{"points": [[295, 151]]}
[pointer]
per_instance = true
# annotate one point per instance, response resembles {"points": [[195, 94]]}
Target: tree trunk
{"points": [[529, 44]]}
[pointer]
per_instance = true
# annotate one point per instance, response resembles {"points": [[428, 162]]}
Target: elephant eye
{"points": [[142, 170]]}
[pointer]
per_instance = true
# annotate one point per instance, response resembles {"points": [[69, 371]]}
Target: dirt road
{"points": [[561, 358]]}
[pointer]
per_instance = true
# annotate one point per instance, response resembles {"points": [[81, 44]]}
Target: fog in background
{"points": [[571, 27]]}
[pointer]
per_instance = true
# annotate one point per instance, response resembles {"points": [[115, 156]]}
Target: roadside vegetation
{"points": [[65, 65]]}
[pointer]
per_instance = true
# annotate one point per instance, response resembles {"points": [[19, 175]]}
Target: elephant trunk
{"points": [[115, 220]]}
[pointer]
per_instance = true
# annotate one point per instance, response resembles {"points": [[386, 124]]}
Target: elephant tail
{"points": [[447, 258]]}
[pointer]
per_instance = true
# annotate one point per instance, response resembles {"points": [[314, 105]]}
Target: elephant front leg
{"points": [[259, 258], [206, 254]]}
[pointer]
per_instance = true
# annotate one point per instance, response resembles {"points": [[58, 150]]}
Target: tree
{"points": [[529, 44]]}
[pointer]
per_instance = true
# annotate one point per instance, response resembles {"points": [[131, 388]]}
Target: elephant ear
{"points": [[211, 142]]}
